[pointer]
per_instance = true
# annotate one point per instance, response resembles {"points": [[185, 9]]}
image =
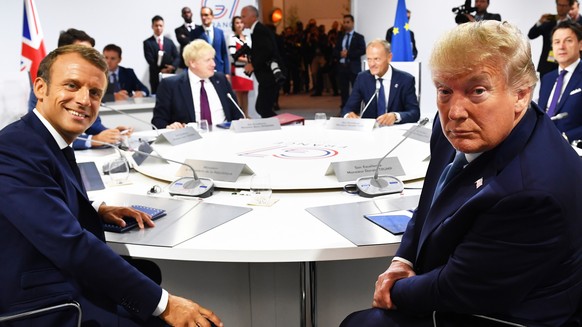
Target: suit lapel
{"points": [[394, 86], [187, 97], [572, 83]]}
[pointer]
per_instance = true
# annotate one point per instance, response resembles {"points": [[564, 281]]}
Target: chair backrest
{"points": [[164, 75], [68, 308], [411, 67]]}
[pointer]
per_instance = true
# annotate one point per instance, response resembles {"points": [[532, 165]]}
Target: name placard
{"points": [[255, 125], [351, 124], [179, 136], [421, 134], [217, 170], [346, 171]]}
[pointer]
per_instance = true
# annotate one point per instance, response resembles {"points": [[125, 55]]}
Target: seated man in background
{"points": [[199, 93], [52, 235], [561, 89], [97, 131], [123, 82], [495, 239], [394, 91]]}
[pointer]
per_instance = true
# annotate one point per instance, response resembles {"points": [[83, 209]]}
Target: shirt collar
{"points": [[58, 138], [570, 68]]}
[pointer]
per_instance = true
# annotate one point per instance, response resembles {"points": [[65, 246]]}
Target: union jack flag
{"points": [[33, 50]]}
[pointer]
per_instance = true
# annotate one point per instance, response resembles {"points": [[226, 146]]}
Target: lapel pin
{"points": [[479, 183]]}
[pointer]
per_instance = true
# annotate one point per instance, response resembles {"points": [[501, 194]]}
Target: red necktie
{"points": [[204, 104], [160, 43]]}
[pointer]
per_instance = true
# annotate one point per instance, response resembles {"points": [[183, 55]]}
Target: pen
{"points": [[125, 131]]}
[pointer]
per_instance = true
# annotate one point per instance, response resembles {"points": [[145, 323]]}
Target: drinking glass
{"points": [[261, 189], [118, 170], [203, 126], [320, 118]]}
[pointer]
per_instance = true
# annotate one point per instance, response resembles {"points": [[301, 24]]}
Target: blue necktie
{"points": [[557, 93], [204, 104], [449, 172], [70, 155], [116, 86], [381, 99]]}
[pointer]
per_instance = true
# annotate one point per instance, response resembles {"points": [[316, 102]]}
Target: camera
{"points": [[462, 10], [272, 64]]}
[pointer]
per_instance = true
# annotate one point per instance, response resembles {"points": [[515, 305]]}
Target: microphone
{"points": [[375, 95], [236, 105], [380, 185], [559, 116], [185, 186], [132, 117]]}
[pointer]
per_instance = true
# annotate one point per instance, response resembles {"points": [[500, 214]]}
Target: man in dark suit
{"points": [[160, 53], [495, 237], [350, 46], [394, 93], [264, 53], [179, 100], [215, 37], [183, 32], [122, 81], [566, 44], [544, 28], [390, 33], [52, 235], [481, 12]]}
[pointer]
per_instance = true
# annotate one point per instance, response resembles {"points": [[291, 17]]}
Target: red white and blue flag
{"points": [[33, 50]]}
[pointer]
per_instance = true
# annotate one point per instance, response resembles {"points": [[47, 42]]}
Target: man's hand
{"points": [[183, 312], [176, 125], [125, 130], [249, 69], [470, 17], [547, 17], [115, 214], [138, 94], [168, 69], [386, 119], [397, 270], [352, 114], [111, 135], [121, 95]]}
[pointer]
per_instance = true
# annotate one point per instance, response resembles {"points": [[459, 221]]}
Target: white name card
{"points": [[255, 125], [346, 171], [351, 124], [178, 136], [421, 134], [217, 170]]}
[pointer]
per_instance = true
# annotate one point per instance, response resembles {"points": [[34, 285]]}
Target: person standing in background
{"points": [[390, 33], [241, 83], [183, 32], [215, 37], [160, 53]]}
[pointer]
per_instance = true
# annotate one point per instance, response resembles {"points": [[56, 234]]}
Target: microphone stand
{"points": [[132, 117]]}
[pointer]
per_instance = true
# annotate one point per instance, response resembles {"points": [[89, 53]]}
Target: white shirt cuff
{"points": [[162, 304], [88, 142], [398, 118], [399, 259]]}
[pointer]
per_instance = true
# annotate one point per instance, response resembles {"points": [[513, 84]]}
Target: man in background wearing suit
{"points": [[264, 52], [544, 28], [123, 82], [481, 13], [390, 33], [160, 53], [395, 100], [574, 12], [350, 46], [215, 37], [495, 239], [183, 32], [52, 235], [183, 98], [565, 97]]}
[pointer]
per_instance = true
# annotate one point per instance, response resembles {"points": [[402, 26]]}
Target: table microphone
{"points": [[236, 105], [185, 186], [559, 116], [372, 98], [132, 117], [380, 185]]}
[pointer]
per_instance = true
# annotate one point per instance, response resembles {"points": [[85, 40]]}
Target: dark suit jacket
{"points": [[174, 100], [402, 97], [54, 246], [544, 30], [356, 50], [219, 44], [264, 49], [150, 51], [183, 38], [503, 238], [128, 81], [390, 33], [491, 16], [570, 102]]}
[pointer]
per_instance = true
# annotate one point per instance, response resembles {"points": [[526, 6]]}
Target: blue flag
{"points": [[401, 45]]}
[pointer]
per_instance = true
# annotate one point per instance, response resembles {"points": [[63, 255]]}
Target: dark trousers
{"points": [[266, 97], [345, 79]]}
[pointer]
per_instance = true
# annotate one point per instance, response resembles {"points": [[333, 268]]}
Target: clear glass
{"points": [[320, 118], [118, 170], [261, 189], [203, 126]]}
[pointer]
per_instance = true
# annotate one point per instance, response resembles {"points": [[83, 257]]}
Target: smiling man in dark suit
{"points": [[52, 236], [394, 93], [495, 239], [179, 100]]}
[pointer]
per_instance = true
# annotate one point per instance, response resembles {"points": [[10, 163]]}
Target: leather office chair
{"points": [[70, 310]]}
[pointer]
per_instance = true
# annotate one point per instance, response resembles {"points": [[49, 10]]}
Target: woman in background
{"points": [[241, 83]]}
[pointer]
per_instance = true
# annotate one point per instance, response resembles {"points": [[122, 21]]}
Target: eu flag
{"points": [[401, 45]]}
